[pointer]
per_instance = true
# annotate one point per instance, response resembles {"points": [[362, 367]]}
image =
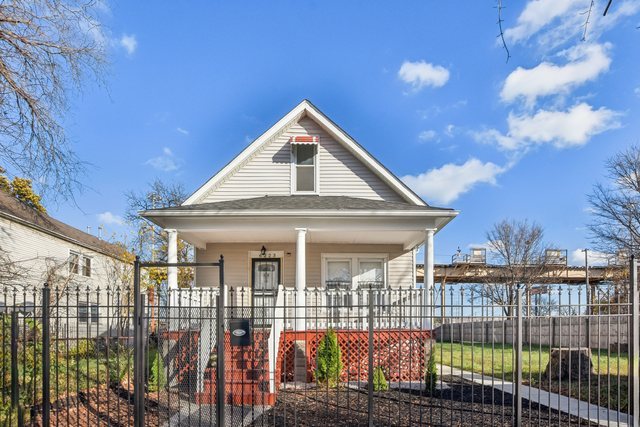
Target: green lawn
{"points": [[610, 369]]}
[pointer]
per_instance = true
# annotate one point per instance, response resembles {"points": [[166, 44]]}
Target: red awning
{"points": [[304, 139]]}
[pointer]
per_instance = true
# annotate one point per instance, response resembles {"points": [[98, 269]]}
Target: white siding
{"points": [[35, 252], [237, 263], [268, 172]]}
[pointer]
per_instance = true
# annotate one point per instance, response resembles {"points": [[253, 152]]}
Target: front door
{"points": [[265, 277]]}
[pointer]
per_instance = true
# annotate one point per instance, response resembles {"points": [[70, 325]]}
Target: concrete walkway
{"points": [[191, 414], [591, 412]]}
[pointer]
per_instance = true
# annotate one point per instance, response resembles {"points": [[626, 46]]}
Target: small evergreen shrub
{"points": [[329, 360], [431, 376], [379, 381], [156, 370]]}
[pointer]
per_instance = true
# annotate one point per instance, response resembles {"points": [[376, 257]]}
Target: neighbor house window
{"points": [[304, 167], [74, 263], [86, 266], [79, 264], [87, 313]]}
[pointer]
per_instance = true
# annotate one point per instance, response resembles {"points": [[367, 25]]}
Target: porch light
{"points": [[263, 251]]}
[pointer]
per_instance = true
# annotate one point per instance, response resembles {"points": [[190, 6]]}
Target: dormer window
{"points": [[304, 160]]}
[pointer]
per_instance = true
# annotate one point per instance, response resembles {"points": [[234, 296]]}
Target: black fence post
{"points": [[370, 354], [46, 356], [15, 388], [138, 382], [220, 379], [518, 356]]}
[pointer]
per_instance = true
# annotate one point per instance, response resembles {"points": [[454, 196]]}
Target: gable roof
{"points": [[306, 108], [14, 210]]}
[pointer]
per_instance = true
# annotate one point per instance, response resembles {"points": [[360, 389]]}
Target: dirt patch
{"points": [[463, 404]]}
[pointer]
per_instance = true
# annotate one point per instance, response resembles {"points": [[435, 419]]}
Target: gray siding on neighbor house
{"points": [[400, 267], [268, 172]]}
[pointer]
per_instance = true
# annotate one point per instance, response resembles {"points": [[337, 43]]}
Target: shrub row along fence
{"points": [[365, 356]]}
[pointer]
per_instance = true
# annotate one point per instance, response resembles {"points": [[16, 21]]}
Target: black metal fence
{"points": [[553, 355]]}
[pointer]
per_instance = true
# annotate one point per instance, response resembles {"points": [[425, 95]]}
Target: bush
{"points": [[431, 376], [84, 349], [328, 360], [379, 381], [120, 365]]}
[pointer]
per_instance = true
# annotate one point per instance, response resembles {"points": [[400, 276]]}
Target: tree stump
{"points": [[569, 363]]}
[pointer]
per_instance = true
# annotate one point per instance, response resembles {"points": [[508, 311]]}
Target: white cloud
{"points": [[576, 257], [562, 129], [537, 14], [449, 130], [182, 131], [637, 91], [586, 63], [428, 135], [553, 23], [129, 43], [446, 183], [166, 162], [110, 218], [420, 74]]}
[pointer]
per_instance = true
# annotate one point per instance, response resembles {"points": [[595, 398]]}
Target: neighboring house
{"points": [[36, 248], [305, 205]]}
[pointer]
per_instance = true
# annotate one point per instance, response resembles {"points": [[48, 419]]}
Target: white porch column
{"points": [[172, 256], [428, 278], [301, 279]]}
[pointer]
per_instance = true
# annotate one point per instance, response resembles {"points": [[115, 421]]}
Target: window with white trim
{"points": [[350, 272], [74, 262], [86, 266], [79, 264], [304, 168], [371, 273], [88, 313], [338, 281]]}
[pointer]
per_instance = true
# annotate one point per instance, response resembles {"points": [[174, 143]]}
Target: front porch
{"points": [[393, 334], [298, 266]]}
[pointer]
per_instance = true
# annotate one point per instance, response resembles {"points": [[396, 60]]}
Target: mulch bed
{"points": [[464, 404], [100, 406]]}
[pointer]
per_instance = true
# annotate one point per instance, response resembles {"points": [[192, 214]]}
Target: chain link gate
{"points": [[175, 339]]}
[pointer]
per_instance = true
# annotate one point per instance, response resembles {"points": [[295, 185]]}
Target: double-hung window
{"points": [[345, 274], [338, 282], [304, 158], [87, 313], [74, 262], [79, 264]]}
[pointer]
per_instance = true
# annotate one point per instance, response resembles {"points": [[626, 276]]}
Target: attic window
{"points": [[304, 150]]}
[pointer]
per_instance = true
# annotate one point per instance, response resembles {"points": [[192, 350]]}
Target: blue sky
{"points": [[424, 86]]}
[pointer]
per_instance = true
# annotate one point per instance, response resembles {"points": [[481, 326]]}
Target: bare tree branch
{"points": [[586, 22], [47, 47], [501, 35]]}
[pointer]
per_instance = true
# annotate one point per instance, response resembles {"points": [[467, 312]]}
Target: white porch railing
{"points": [[273, 343]]}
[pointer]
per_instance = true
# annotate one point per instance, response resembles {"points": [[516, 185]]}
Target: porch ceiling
{"points": [[406, 238], [408, 231]]}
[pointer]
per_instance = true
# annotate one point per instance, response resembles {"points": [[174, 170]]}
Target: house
{"points": [[36, 248], [304, 207]]}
